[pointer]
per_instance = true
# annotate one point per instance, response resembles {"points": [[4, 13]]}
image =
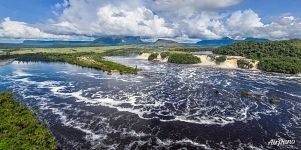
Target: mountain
{"points": [[218, 42], [164, 42], [42, 43], [117, 40], [123, 40], [110, 40]]}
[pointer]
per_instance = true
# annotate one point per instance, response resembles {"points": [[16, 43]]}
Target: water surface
{"points": [[164, 106]]}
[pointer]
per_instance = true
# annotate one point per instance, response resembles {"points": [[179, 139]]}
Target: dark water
{"points": [[165, 106]]}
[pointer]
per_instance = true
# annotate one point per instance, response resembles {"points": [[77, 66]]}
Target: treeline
{"points": [[274, 56], [89, 60]]}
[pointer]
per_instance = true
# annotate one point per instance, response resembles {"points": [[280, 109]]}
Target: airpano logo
{"points": [[281, 141]]}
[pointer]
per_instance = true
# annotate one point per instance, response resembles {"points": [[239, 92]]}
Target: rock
{"points": [[274, 101], [245, 93]]}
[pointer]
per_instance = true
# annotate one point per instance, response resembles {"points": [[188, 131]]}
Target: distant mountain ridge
{"points": [[217, 42], [227, 41], [123, 40], [112, 40], [117, 40], [54, 43]]}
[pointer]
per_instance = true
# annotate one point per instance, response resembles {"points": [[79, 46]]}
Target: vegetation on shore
{"points": [[19, 129], [274, 56], [183, 58], [89, 60]]}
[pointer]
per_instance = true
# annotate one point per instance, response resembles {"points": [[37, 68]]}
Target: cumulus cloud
{"points": [[173, 19], [21, 30], [283, 27], [246, 20], [147, 18], [243, 23], [203, 26], [108, 19], [137, 21], [248, 24]]}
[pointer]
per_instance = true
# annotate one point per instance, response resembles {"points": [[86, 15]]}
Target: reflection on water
{"points": [[164, 106]]}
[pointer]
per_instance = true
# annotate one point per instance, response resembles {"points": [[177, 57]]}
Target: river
{"points": [[165, 106]]}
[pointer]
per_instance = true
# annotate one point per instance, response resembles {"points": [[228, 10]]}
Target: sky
{"points": [[180, 20]]}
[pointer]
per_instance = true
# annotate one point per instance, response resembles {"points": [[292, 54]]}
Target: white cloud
{"points": [[21, 30], [244, 20], [176, 19], [108, 19], [243, 23], [248, 24], [283, 27], [148, 18], [204, 26], [135, 21]]}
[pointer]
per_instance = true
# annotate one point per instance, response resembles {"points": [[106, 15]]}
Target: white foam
{"points": [[21, 73]]}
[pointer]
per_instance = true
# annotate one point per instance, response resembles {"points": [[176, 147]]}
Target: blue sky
{"points": [[194, 19], [270, 8], [30, 11], [33, 11]]}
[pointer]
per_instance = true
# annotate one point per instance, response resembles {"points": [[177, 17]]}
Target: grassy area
{"points": [[127, 51], [65, 50], [19, 129]]}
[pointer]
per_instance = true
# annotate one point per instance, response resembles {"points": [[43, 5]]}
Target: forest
{"points": [[19, 129]]}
